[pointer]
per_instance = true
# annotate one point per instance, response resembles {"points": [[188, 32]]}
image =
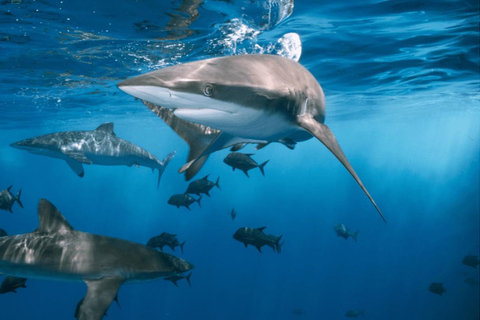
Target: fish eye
{"points": [[208, 90]]}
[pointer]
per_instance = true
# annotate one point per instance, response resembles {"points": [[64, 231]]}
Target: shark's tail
{"points": [[355, 234], [278, 245], [198, 200], [262, 166], [216, 183], [188, 279], [163, 164], [17, 198], [181, 246]]}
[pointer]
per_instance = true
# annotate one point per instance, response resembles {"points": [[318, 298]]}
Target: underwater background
{"points": [[401, 80]]}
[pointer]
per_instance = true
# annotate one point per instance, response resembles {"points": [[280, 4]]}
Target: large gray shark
{"points": [[56, 251], [229, 101], [99, 146]]}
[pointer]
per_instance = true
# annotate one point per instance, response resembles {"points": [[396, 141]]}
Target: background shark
{"points": [[229, 101], [99, 146], [56, 251]]}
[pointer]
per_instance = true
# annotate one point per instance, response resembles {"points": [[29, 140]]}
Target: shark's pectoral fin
{"points": [[323, 133], [77, 167], [198, 137], [100, 294], [77, 156]]}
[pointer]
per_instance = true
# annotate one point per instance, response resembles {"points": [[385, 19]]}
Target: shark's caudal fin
{"points": [[51, 220], [100, 294], [323, 133], [163, 164], [198, 137]]}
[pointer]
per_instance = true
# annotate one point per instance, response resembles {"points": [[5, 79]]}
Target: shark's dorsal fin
{"points": [[106, 127], [51, 220], [198, 137]]}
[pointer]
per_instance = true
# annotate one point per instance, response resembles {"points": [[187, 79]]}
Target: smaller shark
{"points": [[100, 146], [7, 199], [56, 251]]}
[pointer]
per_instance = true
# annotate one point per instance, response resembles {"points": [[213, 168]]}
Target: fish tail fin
{"points": [[355, 234], [17, 198], [188, 279], [216, 183], [262, 166], [278, 245], [163, 164], [198, 200], [323, 133], [181, 246]]}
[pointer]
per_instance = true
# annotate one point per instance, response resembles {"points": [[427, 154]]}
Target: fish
{"points": [[233, 214], [244, 162], [354, 313], [165, 239], [344, 232], [471, 261], [3, 233], [175, 277], [228, 101], [7, 199], [202, 186], [257, 238], [183, 200], [471, 281], [11, 284], [100, 146], [298, 312], [56, 251], [437, 287]]}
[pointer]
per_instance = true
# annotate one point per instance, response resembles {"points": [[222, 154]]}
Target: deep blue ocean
{"points": [[402, 86]]}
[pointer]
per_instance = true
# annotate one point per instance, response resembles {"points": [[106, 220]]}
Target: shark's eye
{"points": [[208, 90]]}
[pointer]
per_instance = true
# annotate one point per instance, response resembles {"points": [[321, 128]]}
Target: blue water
{"points": [[401, 80]]}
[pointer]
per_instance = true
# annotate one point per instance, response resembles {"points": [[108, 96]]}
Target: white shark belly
{"points": [[242, 122]]}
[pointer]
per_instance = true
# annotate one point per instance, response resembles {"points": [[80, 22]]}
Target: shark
{"points": [[100, 146], [231, 101], [56, 251]]}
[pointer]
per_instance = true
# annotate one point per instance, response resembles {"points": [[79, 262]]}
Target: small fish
{"points": [[202, 186], [233, 214], [175, 277], [3, 233], [257, 238], [344, 232], [437, 288], [354, 313], [7, 199], [183, 200], [471, 261], [165, 239], [10, 284], [471, 281], [244, 162], [298, 312]]}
